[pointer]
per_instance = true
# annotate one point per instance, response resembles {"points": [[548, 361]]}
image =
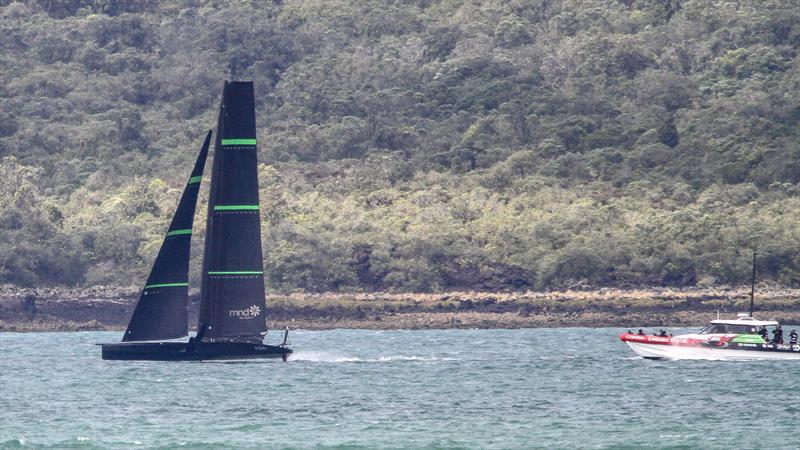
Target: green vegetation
{"points": [[412, 146]]}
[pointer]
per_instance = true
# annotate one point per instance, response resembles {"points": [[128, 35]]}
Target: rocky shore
{"points": [[104, 308]]}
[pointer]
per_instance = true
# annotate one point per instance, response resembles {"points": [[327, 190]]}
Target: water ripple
{"points": [[353, 389]]}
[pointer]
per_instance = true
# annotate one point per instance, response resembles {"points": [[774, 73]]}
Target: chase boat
{"points": [[731, 340]]}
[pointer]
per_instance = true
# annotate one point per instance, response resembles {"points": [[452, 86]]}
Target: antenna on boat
{"points": [[753, 285], [233, 67]]}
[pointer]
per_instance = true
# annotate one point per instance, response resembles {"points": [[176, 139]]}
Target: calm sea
{"points": [[554, 388]]}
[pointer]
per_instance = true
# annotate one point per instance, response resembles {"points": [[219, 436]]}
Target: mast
{"points": [[161, 312], [753, 285], [232, 300]]}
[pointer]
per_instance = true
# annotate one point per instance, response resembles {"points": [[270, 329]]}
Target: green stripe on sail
{"points": [[241, 272], [235, 207], [195, 180], [153, 286], [178, 232], [238, 142]]}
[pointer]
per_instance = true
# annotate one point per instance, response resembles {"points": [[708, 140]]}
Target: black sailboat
{"points": [[232, 321]]}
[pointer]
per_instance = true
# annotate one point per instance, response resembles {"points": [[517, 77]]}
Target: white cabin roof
{"points": [[746, 321]]}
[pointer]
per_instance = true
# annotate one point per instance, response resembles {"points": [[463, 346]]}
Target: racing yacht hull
{"points": [[191, 351]]}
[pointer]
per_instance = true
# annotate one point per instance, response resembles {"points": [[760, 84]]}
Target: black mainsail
{"points": [[162, 309], [232, 300]]}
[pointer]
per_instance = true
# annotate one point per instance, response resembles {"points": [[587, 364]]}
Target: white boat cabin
{"points": [[742, 325]]}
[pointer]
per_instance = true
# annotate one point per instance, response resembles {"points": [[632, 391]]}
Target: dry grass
{"points": [[601, 298]]}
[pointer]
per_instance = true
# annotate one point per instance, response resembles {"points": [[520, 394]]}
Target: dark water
{"points": [[554, 388]]}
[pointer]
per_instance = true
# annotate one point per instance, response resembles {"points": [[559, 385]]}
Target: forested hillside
{"points": [[412, 146]]}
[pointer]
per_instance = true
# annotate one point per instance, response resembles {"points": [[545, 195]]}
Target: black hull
{"points": [[184, 351]]}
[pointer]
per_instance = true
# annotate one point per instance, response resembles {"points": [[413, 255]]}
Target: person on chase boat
{"points": [[777, 334]]}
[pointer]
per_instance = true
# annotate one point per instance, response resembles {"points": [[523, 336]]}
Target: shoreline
{"points": [[438, 321], [43, 310]]}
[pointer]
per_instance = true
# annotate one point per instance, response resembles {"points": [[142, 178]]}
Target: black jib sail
{"points": [[162, 309], [232, 298]]}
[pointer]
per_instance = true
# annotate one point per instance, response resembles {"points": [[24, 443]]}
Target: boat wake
{"points": [[337, 358], [321, 357]]}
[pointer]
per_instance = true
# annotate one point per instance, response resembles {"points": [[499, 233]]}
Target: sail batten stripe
{"points": [[235, 207], [179, 232], [239, 141], [237, 272], [162, 285], [195, 180]]}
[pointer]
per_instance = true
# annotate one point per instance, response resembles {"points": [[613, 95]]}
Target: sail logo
{"points": [[247, 313]]}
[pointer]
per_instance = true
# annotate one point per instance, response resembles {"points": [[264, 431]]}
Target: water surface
{"points": [[554, 388]]}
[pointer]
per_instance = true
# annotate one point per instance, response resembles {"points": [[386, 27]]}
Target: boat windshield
{"points": [[723, 328]]}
